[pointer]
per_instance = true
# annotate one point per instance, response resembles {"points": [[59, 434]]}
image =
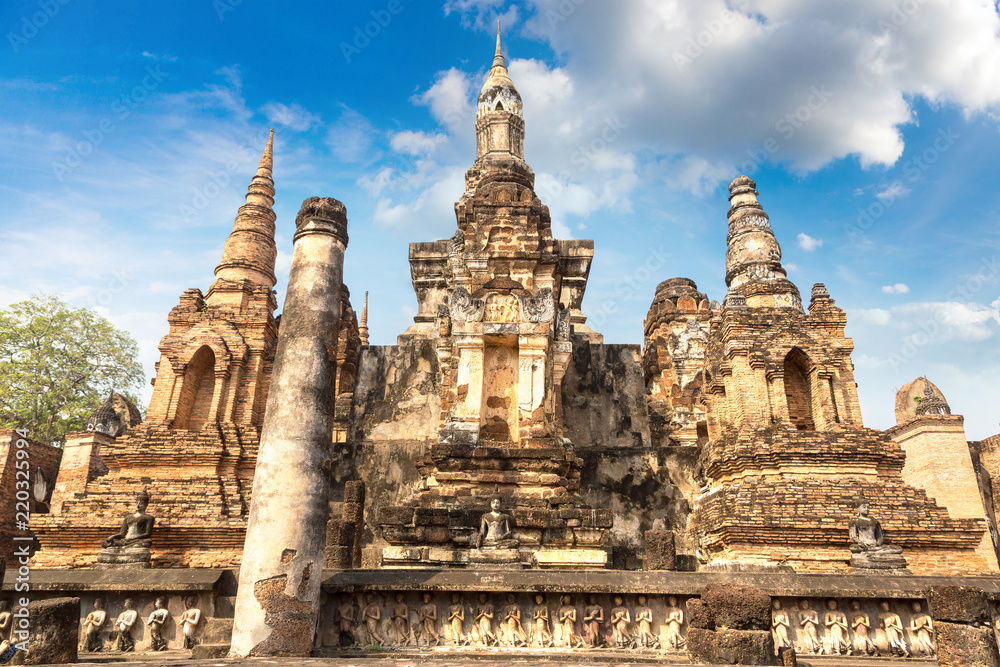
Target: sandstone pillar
{"points": [[278, 598]]}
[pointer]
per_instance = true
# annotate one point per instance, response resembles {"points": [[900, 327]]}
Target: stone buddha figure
{"points": [[868, 547], [495, 529], [129, 547]]}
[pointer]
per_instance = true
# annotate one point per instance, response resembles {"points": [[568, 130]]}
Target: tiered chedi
{"points": [[498, 300]]}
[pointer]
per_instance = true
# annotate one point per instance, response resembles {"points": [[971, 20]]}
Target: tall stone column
{"points": [[278, 599]]}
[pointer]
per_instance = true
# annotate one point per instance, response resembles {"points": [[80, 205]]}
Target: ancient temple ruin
{"points": [[715, 479]]}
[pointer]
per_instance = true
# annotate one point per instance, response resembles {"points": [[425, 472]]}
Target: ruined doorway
{"points": [[498, 417], [797, 394], [197, 390]]}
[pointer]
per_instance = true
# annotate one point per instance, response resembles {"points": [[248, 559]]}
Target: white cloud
{"points": [[697, 175], [930, 322], [483, 14], [415, 143], [352, 138], [293, 116], [898, 288], [428, 214], [697, 77], [808, 243], [159, 56], [449, 99], [892, 191]]}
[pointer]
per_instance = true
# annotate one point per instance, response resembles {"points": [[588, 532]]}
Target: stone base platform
{"points": [[660, 582], [377, 659], [214, 591], [529, 608], [493, 559]]}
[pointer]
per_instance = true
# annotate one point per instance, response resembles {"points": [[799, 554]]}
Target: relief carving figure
{"points": [[123, 626], [456, 616], [463, 308], [428, 621], [484, 621], [514, 634], [673, 623], [868, 543], [567, 624], [893, 630], [593, 618], [808, 621], [155, 623], [922, 630], [92, 626], [620, 621], [400, 621], [189, 621], [371, 616], [780, 625], [5, 618], [540, 307], [644, 619], [836, 629], [502, 308], [347, 621], [495, 529], [562, 323], [863, 644], [542, 634], [691, 342]]}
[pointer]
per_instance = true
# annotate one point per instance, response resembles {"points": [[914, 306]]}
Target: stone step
{"points": [[157, 657], [204, 651], [217, 631]]}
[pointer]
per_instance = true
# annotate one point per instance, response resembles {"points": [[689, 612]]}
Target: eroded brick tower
{"points": [[195, 452], [768, 389], [498, 300]]}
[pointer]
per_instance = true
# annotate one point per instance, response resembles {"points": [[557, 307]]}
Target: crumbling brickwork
{"points": [[197, 449], [33, 471], [784, 453]]}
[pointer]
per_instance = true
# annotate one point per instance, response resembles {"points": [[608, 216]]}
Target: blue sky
{"points": [[130, 130]]}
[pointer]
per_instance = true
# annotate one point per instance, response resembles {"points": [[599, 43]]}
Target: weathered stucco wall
{"points": [[604, 397], [394, 417], [604, 403]]}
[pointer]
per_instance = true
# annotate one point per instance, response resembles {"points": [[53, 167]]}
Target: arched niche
{"points": [[197, 389], [798, 395]]}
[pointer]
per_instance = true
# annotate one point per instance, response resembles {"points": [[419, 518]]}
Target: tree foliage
{"points": [[57, 364]]}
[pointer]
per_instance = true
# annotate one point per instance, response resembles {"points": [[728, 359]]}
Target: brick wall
{"points": [[40, 457]]}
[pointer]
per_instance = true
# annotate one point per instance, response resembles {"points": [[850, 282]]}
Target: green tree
{"points": [[57, 364]]}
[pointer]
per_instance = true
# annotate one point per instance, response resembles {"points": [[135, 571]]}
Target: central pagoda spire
{"points": [[499, 127]]}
